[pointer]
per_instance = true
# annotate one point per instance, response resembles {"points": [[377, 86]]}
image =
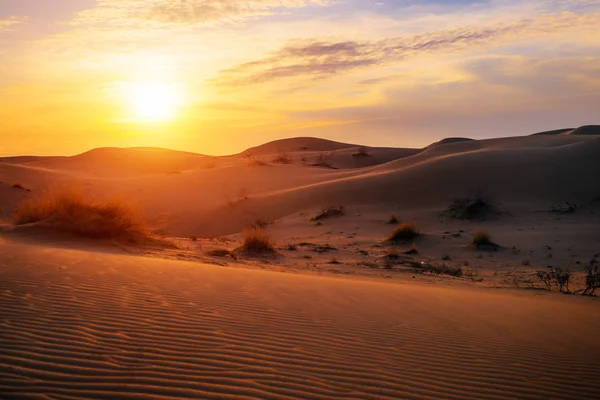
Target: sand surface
{"points": [[79, 325]]}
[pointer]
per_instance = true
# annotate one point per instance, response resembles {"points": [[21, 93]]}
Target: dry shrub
{"points": [[483, 240], [406, 231], [68, 210], [328, 212], [475, 207], [283, 158], [257, 241]]}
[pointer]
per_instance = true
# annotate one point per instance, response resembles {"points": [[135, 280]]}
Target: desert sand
{"points": [[337, 310]]}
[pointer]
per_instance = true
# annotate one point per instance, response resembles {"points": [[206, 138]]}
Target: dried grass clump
{"points": [[329, 212], [257, 241], [483, 240], [68, 210], [475, 207], [406, 231], [282, 159]]}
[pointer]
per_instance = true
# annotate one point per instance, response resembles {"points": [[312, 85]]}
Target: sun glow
{"points": [[154, 102]]}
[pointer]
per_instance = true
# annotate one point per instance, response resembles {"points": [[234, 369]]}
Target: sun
{"points": [[153, 102]]}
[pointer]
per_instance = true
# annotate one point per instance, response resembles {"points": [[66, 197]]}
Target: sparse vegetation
{"points": [[257, 241], [406, 231], [323, 162], [329, 212], [483, 241], [221, 253], [68, 210], [475, 207], [393, 220], [291, 247], [592, 277], [282, 158], [256, 162], [556, 276], [566, 208], [443, 269], [334, 261]]}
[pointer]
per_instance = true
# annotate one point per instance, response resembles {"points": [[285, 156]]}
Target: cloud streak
{"points": [[320, 59], [8, 24], [165, 13]]}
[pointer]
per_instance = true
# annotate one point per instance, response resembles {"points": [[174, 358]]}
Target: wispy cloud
{"points": [[318, 59], [9, 23], [137, 13]]}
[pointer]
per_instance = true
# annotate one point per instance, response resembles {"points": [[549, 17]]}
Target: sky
{"points": [[219, 76]]}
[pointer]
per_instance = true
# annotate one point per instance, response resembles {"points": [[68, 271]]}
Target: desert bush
{"points": [[556, 276], [483, 240], [443, 269], [473, 207], [329, 212], [257, 241], [323, 162], [406, 231], [592, 277], [255, 162], [567, 208], [67, 209], [393, 220], [283, 158]]}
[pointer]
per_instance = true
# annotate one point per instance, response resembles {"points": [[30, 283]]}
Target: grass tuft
{"points": [[69, 210], [406, 231], [483, 240], [329, 212], [257, 241]]}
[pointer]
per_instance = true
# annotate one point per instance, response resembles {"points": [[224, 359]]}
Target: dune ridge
{"points": [[90, 326]]}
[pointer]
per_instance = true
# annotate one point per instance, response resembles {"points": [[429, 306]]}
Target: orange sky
{"points": [[216, 77]]}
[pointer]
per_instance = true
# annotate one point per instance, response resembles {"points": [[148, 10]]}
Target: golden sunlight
{"points": [[153, 101]]}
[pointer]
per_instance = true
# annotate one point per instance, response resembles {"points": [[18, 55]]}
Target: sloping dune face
{"points": [[96, 326]]}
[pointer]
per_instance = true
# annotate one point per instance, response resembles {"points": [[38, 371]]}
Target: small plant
{"points": [[406, 231], [426, 268], [283, 158], [257, 241], [255, 162], [393, 220], [483, 240], [567, 208], [556, 276], [323, 162], [334, 261], [194, 238], [474, 207], [592, 277], [329, 212], [292, 247]]}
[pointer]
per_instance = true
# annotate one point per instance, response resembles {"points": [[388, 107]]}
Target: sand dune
{"points": [[196, 200], [85, 325]]}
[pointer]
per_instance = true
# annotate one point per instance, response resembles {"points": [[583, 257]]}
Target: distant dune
{"points": [[126, 161], [298, 144], [585, 130]]}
